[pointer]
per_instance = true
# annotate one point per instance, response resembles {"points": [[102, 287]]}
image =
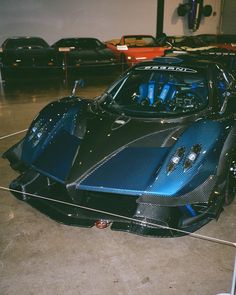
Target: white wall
{"points": [[104, 19], [228, 25], [53, 19], [175, 25]]}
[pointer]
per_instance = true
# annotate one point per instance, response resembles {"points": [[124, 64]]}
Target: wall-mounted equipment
{"points": [[195, 10]]}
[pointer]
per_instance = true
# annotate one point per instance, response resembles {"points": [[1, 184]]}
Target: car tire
{"points": [[7, 74], [123, 62], [182, 10], [230, 189], [207, 10], [3, 74]]}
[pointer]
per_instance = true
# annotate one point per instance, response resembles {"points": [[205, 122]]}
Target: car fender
{"points": [[57, 117], [228, 154], [182, 179]]}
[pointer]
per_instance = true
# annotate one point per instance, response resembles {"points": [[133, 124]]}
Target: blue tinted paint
{"points": [[128, 172], [190, 209]]}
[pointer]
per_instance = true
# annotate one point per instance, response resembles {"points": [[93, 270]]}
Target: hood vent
{"points": [[120, 122]]}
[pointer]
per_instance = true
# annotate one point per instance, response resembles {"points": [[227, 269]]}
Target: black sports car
{"points": [[215, 47], [84, 53], [156, 150], [27, 55]]}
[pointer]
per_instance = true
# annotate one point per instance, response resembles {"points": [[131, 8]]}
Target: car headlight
{"points": [[51, 62], [189, 160], [192, 156], [175, 159], [37, 131]]}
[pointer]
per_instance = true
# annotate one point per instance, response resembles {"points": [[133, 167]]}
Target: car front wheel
{"points": [[230, 185]]}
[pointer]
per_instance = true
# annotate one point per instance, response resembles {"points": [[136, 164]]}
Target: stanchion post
{"points": [[65, 51]]}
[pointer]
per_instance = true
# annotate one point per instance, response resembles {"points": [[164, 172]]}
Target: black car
{"points": [[155, 154], [84, 53], [27, 56], [220, 48]]}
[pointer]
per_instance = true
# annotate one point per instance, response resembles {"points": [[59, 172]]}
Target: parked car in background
{"points": [[204, 42], [155, 154], [131, 49], [84, 53], [22, 56], [224, 41], [220, 48]]}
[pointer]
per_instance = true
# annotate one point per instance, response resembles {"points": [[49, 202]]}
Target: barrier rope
{"points": [[12, 134]]}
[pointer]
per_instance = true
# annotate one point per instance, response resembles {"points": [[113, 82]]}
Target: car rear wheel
{"points": [[4, 74]]}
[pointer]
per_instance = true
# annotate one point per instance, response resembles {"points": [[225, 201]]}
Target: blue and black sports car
{"points": [[155, 151]]}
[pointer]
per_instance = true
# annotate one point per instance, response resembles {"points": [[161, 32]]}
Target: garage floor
{"points": [[41, 257]]}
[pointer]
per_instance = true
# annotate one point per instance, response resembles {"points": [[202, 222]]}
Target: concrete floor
{"points": [[41, 257]]}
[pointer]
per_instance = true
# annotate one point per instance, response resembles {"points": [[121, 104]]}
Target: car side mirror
{"points": [[78, 83]]}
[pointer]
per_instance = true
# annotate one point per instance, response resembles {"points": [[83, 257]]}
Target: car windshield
{"points": [[190, 41], [140, 41], [154, 91], [208, 39], [81, 43], [25, 43]]}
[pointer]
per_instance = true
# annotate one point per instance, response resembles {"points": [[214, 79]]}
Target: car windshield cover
{"points": [[26, 43], [82, 43], [140, 41], [159, 91]]}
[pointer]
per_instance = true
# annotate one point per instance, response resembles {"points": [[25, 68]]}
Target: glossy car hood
{"points": [[92, 54], [118, 152], [132, 159]]}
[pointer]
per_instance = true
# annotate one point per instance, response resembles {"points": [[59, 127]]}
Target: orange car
{"points": [[131, 49]]}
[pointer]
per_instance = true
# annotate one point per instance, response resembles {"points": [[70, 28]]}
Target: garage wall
{"points": [[175, 25], [228, 24], [105, 19], [53, 19]]}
